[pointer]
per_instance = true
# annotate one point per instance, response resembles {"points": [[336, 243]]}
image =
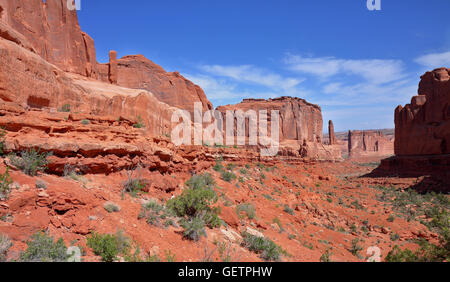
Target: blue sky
{"points": [[358, 65]]}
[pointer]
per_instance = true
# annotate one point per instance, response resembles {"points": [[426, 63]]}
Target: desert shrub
{"points": [[228, 176], [326, 256], [134, 184], [231, 167], [196, 201], [85, 122], [288, 210], [355, 248], [243, 171], [43, 248], [5, 244], [65, 108], [5, 185], [157, 214], [225, 251], [31, 161], [248, 209], [109, 246], [41, 184], [218, 167], [111, 207], [140, 123], [194, 228], [266, 248], [399, 255]]}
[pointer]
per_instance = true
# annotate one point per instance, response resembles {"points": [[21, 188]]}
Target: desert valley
{"points": [[87, 156]]}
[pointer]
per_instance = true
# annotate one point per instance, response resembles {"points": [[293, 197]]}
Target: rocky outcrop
{"points": [[52, 31], [422, 131], [300, 126], [423, 127], [138, 72], [299, 120], [369, 143], [331, 135], [27, 79]]}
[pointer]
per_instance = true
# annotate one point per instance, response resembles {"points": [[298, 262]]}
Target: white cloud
{"points": [[221, 91], [435, 60], [372, 70], [254, 75]]}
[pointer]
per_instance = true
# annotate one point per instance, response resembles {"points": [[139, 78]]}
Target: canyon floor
{"points": [[314, 211]]}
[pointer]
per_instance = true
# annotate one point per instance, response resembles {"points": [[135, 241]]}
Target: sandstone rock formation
{"points": [[138, 72], [331, 134], [51, 31], [369, 143], [423, 127], [300, 127]]}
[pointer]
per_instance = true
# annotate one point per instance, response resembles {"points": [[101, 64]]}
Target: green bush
{"points": [[109, 246], [154, 213], [266, 248], [111, 207], [5, 185], [85, 122], [228, 176], [288, 210], [5, 244], [65, 108], [133, 185], [355, 248], [248, 209], [197, 200], [218, 167], [140, 123], [42, 248], [326, 256], [31, 162], [194, 228]]}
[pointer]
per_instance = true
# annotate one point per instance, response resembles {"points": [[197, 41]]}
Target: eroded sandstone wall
{"points": [[300, 126], [299, 120], [53, 32], [369, 143], [423, 127]]}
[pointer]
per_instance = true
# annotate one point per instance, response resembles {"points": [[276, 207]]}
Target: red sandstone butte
{"points": [[423, 127], [301, 125], [369, 143]]}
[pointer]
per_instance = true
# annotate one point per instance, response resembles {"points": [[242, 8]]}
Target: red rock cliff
{"points": [[299, 120], [369, 143], [138, 72], [52, 31], [301, 126], [423, 127]]}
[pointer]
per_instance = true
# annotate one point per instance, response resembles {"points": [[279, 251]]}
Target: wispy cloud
{"points": [[375, 71], [223, 91], [434, 60], [355, 93], [251, 74]]}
